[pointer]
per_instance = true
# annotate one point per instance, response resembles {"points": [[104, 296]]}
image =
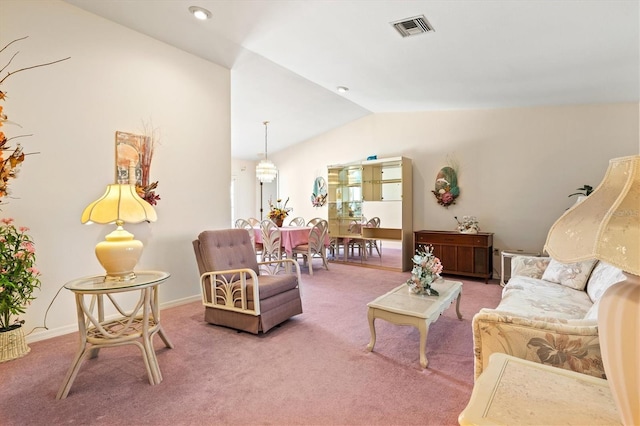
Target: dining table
{"points": [[291, 236]]}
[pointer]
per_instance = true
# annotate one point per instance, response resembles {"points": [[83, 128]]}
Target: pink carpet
{"points": [[312, 370]]}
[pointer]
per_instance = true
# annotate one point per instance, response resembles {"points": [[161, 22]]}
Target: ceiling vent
{"points": [[413, 26]]}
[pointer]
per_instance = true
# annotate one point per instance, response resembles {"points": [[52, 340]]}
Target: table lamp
{"points": [[606, 226], [119, 252]]}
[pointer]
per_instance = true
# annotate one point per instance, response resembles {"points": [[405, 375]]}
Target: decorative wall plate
{"points": [[446, 186], [319, 196]]}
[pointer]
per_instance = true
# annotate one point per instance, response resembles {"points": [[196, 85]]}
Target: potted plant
{"points": [[19, 278]]}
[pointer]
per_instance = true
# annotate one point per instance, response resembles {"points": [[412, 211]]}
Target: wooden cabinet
{"points": [[468, 255]]}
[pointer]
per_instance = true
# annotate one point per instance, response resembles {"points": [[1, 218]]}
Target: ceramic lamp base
{"points": [[119, 254], [618, 324]]}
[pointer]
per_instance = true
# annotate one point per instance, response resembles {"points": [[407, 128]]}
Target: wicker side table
{"points": [[136, 326]]}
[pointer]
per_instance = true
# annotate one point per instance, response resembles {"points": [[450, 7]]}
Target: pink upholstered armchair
{"points": [[238, 291]]}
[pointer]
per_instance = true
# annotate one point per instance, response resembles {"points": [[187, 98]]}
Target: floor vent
{"points": [[413, 26]]}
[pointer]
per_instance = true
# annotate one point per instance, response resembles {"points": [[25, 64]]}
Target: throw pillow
{"points": [[529, 266], [574, 275], [604, 276]]}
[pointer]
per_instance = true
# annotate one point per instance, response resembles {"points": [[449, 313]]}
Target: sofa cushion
{"points": [[604, 275], [529, 266], [573, 275], [538, 299]]}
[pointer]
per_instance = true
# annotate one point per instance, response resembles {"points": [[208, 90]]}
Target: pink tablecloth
{"points": [[291, 236]]}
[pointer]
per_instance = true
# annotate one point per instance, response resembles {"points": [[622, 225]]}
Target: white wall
{"points": [[116, 79], [517, 166]]}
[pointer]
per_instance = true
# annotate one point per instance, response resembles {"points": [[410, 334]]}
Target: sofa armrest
{"points": [[529, 266], [560, 344]]}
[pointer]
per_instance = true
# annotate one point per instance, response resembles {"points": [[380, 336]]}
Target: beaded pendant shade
{"points": [[266, 171]]}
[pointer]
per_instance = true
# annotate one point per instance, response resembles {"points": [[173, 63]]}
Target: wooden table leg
{"points": [[458, 305], [372, 329], [423, 327]]}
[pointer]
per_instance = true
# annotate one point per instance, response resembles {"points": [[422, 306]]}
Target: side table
{"points": [[136, 327], [508, 254], [516, 391]]}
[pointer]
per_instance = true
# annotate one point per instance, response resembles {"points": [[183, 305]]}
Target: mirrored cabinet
{"points": [[370, 213]]}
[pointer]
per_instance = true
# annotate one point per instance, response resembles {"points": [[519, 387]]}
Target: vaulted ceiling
{"points": [[288, 57]]}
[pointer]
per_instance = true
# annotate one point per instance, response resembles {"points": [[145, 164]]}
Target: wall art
{"points": [[128, 149], [446, 187], [319, 196]]}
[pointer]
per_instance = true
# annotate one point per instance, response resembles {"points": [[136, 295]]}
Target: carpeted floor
{"points": [[312, 370]]}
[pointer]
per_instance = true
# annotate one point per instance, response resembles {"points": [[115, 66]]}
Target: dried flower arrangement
{"points": [[12, 157]]}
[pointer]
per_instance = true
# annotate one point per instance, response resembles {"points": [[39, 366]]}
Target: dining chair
{"points": [[334, 246], [314, 221], [359, 243], [374, 222], [271, 241], [253, 221], [244, 224], [297, 221], [315, 246]]}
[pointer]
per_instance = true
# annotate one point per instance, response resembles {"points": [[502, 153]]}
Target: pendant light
{"points": [[266, 171]]}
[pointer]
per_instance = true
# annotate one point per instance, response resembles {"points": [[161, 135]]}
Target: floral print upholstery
{"points": [[544, 322], [529, 266], [541, 299]]}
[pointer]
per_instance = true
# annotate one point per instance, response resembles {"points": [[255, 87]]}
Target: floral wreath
{"points": [[447, 189]]}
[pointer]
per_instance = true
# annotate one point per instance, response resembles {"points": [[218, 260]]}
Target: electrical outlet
{"points": [[496, 251]]}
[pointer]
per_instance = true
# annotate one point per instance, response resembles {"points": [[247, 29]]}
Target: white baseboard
{"points": [[67, 329]]}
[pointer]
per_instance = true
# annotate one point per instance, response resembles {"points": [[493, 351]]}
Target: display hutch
{"points": [[373, 188]]}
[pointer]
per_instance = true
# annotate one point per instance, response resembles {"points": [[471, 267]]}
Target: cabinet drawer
{"points": [[477, 240]]}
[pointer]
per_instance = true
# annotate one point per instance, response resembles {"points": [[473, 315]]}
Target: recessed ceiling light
{"points": [[342, 89], [200, 13]]}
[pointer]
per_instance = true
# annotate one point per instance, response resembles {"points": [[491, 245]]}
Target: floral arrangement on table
{"points": [[279, 211], [18, 275], [468, 225], [426, 269]]}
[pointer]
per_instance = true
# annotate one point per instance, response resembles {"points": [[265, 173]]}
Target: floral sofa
{"points": [[547, 314]]}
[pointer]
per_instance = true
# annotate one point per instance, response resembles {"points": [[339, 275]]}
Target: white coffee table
{"points": [[400, 306]]}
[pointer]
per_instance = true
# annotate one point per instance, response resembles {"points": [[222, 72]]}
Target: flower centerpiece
{"points": [[468, 225], [279, 211], [426, 269]]}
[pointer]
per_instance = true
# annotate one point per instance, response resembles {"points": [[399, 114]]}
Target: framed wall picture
{"points": [[128, 156]]}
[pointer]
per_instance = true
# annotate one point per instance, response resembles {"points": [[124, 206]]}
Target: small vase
{"points": [[278, 222], [12, 344]]}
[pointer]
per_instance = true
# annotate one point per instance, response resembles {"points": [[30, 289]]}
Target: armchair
{"points": [[239, 292]]}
